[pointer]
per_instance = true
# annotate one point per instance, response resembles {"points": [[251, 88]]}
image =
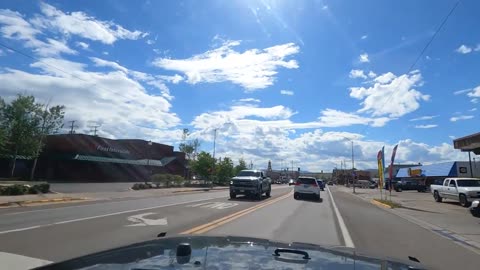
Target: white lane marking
{"points": [[100, 216], [214, 205], [341, 223], [21, 229], [141, 220], [14, 261], [106, 201]]}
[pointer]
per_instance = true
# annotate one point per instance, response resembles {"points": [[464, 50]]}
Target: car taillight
{"points": [[297, 183]]}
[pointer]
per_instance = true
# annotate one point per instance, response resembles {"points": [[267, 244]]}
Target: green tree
{"points": [[242, 165], [25, 123], [51, 119], [224, 170], [204, 165], [190, 148], [22, 122], [3, 127]]}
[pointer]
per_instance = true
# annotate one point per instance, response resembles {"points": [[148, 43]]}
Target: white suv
{"points": [[306, 186]]}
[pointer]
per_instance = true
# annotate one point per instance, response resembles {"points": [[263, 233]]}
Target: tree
{"points": [[190, 149], [225, 170], [25, 123], [51, 120], [242, 165], [3, 130], [22, 122], [204, 165]]}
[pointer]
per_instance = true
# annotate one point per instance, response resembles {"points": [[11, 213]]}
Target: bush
{"points": [[43, 188], [15, 190], [139, 186]]}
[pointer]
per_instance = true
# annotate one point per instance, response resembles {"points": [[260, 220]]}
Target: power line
{"points": [[423, 50]]}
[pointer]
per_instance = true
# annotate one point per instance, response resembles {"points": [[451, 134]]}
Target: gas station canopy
{"points": [[468, 143]]}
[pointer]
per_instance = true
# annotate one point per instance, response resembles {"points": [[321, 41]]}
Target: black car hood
{"points": [[227, 253]]}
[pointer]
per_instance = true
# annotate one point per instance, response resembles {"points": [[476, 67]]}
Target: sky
{"points": [[285, 81]]}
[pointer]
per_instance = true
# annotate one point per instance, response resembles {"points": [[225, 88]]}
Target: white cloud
{"points": [[252, 69], [324, 7], [463, 49], [452, 137], [363, 58], [391, 95], [357, 73], [474, 100], [472, 110], [364, 37], [82, 45], [427, 117], [477, 48], [287, 92], [461, 117], [83, 25], [385, 78], [104, 63], [249, 100], [475, 92], [458, 92], [117, 101], [334, 118], [14, 26], [372, 74], [426, 126], [150, 41]]}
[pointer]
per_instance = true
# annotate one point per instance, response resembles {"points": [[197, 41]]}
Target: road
{"points": [[59, 232]]}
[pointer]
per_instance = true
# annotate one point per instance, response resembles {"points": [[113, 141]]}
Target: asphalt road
{"points": [[59, 232], [62, 232], [377, 231]]}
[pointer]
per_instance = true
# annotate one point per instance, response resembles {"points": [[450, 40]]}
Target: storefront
{"points": [[79, 157]]}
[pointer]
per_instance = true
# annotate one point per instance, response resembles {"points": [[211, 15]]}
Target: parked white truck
{"points": [[463, 190]]}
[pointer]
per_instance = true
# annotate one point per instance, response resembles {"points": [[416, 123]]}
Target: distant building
{"points": [[80, 157]]}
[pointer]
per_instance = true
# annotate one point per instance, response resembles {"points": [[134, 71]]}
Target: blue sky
{"points": [[279, 80]]}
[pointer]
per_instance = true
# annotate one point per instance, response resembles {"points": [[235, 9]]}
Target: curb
{"points": [[377, 203], [55, 200]]}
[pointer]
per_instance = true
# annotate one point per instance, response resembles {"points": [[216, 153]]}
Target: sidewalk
{"points": [[447, 219], [22, 200]]}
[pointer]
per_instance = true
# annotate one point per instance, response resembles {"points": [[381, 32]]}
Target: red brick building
{"points": [[80, 157]]}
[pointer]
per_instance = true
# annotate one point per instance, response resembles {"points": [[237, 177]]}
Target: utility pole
{"points": [[353, 167], [94, 129], [214, 161], [72, 127]]}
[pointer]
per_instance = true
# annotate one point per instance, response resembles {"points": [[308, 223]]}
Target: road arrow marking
{"points": [[141, 220]]}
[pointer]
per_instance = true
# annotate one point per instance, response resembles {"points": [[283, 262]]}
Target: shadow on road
{"points": [[310, 200], [248, 199]]}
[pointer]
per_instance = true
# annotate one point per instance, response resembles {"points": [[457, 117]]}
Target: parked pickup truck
{"points": [[250, 182], [463, 190]]}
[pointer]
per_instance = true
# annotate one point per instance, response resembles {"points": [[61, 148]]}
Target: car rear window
{"points": [[309, 181]]}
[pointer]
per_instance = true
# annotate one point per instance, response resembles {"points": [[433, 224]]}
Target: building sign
{"points": [[414, 172], [112, 149], [463, 169]]}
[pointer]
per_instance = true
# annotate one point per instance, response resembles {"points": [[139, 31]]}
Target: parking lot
{"points": [[448, 218]]}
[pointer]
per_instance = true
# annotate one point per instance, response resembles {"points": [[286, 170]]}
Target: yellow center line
{"points": [[211, 225]]}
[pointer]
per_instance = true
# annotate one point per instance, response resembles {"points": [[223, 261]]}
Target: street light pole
{"points": [[353, 168]]}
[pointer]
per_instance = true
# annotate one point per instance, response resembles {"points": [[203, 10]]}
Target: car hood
{"points": [[245, 178], [227, 252]]}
